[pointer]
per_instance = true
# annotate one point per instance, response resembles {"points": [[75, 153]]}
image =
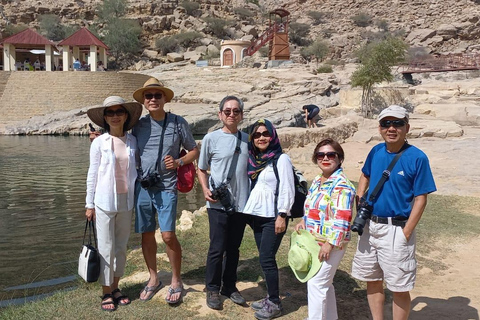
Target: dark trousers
{"points": [[226, 234], [268, 243]]}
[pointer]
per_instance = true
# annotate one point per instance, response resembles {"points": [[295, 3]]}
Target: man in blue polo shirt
{"points": [[386, 250]]}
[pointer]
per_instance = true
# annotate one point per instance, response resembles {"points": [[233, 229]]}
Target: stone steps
{"points": [[27, 94]]}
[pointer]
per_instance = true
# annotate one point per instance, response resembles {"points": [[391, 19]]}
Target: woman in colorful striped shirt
{"points": [[328, 212]]}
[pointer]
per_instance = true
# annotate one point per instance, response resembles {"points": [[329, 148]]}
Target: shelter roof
{"points": [[28, 38], [82, 38], [281, 12]]}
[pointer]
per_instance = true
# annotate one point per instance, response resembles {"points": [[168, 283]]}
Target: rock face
{"points": [[441, 26]]}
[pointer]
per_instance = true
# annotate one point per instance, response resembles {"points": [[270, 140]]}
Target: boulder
{"points": [[447, 31], [174, 57], [419, 35]]}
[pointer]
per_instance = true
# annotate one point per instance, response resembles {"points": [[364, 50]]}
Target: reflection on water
{"points": [[42, 200]]}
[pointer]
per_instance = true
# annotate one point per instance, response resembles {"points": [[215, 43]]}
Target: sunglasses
{"points": [[228, 112], [118, 112], [394, 123], [330, 155], [257, 135], [150, 96]]}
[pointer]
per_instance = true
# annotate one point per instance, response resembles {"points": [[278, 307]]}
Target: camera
{"points": [[222, 194], [364, 212], [149, 181]]}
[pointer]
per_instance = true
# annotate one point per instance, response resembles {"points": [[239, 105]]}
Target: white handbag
{"points": [[89, 259]]}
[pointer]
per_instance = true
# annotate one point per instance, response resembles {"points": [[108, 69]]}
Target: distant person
{"points": [[311, 111], [110, 191], [160, 136], [100, 66], [225, 153], [328, 212], [268, 208], [26, 64], [386, 249], [77, 65], [37, 65]]}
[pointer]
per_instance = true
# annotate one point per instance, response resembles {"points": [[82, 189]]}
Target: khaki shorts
{"points": [[383, 253]]}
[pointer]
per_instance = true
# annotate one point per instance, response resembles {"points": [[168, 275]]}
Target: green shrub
{"points": [[190, 7], [166, 44], [187, 39], [111, 9], [316, 16], [243, 13], [318, 50], [264, 51], [123, 37], [216, 26], [51, 27], [382, 24], [298, 33], [362, 19], [325, 68], [11, 29]]}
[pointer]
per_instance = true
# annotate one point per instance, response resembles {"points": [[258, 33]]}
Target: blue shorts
{"points": [[149, 202]]}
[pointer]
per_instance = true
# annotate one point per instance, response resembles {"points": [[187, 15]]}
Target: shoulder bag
{"points": [[89, 259]]}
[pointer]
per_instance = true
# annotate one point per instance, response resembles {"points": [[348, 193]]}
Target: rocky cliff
{"points": [[438, 25]]}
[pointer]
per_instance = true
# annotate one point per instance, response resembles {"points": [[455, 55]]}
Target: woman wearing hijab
{"points": [[269, 205], [110, 189], [328, 212]]}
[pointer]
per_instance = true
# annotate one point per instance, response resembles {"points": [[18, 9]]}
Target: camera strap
{"points": [[386, 174], [236, 154], [160, 148]]}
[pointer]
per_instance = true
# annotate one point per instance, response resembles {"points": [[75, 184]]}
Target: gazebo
{"points": [[82, 42], [27, 39]]}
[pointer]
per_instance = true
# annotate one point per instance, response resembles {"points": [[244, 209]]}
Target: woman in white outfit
{"points": [[269, 205], [110, 188]]}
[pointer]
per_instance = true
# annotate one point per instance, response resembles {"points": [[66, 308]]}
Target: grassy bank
{"points": [[441, 228]]}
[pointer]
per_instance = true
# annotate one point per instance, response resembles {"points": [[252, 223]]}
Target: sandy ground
{"points": [[451, 294]]}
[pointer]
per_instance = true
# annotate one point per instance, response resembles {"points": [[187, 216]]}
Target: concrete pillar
{"points": [[103, 56], [93, 58], [8, 64], [67, 57], [48, 57]]}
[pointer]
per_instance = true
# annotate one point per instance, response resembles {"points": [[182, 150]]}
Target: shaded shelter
{"points": [[83, 42], [27, 39]]}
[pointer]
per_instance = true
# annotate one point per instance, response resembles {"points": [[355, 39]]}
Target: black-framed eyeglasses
{"points": [[390, 123], [330, 155], [257, 135], [150, 96], [118, 112], [228, 112]]}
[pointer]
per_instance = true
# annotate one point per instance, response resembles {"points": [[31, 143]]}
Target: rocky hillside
{"points": [[439, 25]]}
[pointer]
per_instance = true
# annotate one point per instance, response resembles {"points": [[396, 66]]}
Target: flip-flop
{"points": [[106, 303], [118, 300], [172, 291], [152, 289]]}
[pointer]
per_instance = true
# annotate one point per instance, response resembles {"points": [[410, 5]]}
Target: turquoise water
{"points": [[42, 199]]}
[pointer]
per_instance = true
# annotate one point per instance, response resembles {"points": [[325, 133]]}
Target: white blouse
{"points": [[261, 201]]}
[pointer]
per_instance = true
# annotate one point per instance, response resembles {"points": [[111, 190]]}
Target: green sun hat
{"points": [[303, 255]]}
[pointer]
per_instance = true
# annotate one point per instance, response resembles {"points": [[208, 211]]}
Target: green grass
{"points": [[443, 223]]}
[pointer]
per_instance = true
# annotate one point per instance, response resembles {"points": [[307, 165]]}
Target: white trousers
{"points": [[322, 304], [113, 231]]}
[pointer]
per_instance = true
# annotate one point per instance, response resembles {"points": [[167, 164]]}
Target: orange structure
{"points": [[276, 35]]}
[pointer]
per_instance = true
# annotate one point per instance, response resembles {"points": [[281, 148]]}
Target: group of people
{"points": [[246, 179]]}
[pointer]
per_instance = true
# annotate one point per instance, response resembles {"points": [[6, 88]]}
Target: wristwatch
{"points": [[283, 214], [180, 162]]}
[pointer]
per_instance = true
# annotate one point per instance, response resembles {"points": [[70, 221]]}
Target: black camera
{"points": [[150, 181], [364, 212], [222, 194]]}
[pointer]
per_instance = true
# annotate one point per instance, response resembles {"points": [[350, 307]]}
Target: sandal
{"points": [[120, 299], [173, 291], [152, 289], [108, 303]]}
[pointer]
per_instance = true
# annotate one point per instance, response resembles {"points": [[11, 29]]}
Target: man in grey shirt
{"points": [[160, 136], [227, 223]]}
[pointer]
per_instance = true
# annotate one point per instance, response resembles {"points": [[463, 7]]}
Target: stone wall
{"points": [[27, 94]]}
